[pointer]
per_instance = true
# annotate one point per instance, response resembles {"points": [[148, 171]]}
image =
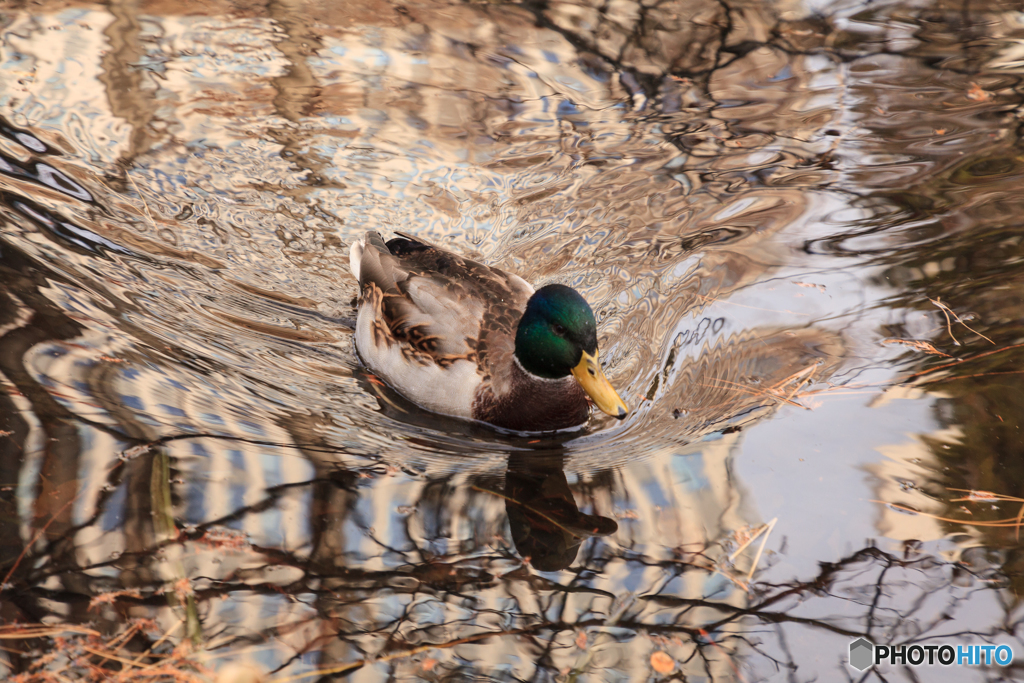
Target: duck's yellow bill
{"points": [[588, 373]]}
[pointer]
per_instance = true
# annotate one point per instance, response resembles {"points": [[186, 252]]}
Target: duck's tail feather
{"points": [[375, 242], [373, 237], [372, 261], [355, 257]]}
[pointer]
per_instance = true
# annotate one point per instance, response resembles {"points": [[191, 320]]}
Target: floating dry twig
{"points": [[764, 393], [105, 658], [997, 523], [949, 323], [973, 496], [960, 361], [947, 311], [801, 377], [988, 497], [764, 530], [144, 204], [27, 632], [923, 346]]}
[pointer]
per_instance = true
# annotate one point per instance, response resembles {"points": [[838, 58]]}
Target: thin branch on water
{"points": [[947, 311]]}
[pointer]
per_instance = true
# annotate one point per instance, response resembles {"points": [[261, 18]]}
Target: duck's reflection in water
{"points": [[547, 525]]}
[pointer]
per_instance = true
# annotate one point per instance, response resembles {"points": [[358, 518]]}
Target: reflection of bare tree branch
{"points": [[546, 630], [123, 77], [448, 577], [57, 481], [298, 89]]}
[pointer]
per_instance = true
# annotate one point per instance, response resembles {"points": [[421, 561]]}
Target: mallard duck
{"points": [[463, 339]]}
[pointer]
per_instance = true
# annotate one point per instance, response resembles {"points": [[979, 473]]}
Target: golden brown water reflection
{"points": [[767, 205]]}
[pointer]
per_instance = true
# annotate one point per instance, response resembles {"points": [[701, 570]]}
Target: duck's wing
{"points": [[438, 306]]}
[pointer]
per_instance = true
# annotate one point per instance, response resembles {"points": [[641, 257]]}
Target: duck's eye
{"points": [[559, 330]]}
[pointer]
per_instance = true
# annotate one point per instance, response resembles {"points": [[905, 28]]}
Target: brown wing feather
{"points": [[443, 306]]}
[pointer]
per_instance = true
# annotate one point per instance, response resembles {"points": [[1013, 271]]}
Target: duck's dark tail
{"points": [[407, 244]]}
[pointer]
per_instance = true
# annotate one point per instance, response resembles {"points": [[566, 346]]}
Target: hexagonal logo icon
{"points": [[862, 654]]}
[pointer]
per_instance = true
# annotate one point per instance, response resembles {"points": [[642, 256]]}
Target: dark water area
{"points": [[799, 226]]}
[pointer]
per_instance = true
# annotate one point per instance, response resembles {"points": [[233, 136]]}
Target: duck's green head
{"points": [[557, 336]]}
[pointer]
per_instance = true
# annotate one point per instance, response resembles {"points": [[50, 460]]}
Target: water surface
{"points": [[798, 225]]}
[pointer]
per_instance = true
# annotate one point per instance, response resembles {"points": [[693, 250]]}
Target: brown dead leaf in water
{"points": [[977, 94], [581, 640], [662, 662]]}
